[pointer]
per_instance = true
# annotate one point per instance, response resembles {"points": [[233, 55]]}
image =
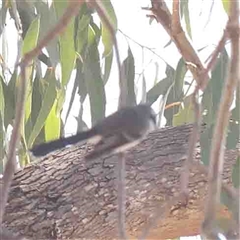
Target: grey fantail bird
{"points": [[116, 133]]}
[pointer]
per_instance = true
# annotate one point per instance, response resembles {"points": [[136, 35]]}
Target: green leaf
{"points": [[236, 173], [47, 21], [31, 38], [36, 99], [234, 127], [79, 84], [2, 147], [179, 80], [106, 36], [210, 103], [53, 124], [30, 42], [66, 42], [226, 5], [205, 143], [107, 67], [185, 114], [80, 78], [28, 101], [81, 28], [159, 89], [185, 12], [47, 103], [3, 13], [232, 204], [94, 83], [213, 92], [163, 105], [127, 86], [2, 132], [9, 98], [97, 31], [2, 101], [61, 94], [176, 93]]}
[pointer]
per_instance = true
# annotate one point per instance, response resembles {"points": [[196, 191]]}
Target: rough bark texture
{"points": [[65, 196]]}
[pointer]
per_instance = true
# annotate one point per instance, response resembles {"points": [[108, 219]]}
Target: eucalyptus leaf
{"points": [[3, 13], [47, 103], [80, 79], [9, 99], [236, 173], [127, 85], [52, 125], [94, 83], [2, 100], [226, 5], [205, 143], [106, 35], [185, 114], [185, 12], [31, 38], [179, 80], [231, 204], [234, 124], [48, 20], [210, 104], [66, 43], [81, 29], [107, 66], [212, 94]]}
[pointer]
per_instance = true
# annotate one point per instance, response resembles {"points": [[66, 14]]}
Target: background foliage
{"points": [[83, 56], [84, 52]]}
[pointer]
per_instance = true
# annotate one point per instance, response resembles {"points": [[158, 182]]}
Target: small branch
{"points": [[176, 25], [192, 143], [121, 198], [220, 131], [171, 23], [16, 17], [142, 46], [11, 157]]}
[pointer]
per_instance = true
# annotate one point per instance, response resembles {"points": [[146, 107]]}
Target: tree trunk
{"points": [[65, 196]]}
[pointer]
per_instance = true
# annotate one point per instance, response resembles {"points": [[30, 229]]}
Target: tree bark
{"points": [[65, 196]]}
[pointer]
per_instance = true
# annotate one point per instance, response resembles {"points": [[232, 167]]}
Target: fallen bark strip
{"points": [[65, 196]]}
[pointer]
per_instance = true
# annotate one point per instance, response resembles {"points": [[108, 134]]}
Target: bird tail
{"points": [[45, 148]]}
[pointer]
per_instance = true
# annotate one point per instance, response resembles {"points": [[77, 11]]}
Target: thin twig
{"points": [[192, 143], [161, 13], [142, 46], [220, 130], [121, 196], [18, 23], [121, 167], [176, 25], [14, 141]]}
